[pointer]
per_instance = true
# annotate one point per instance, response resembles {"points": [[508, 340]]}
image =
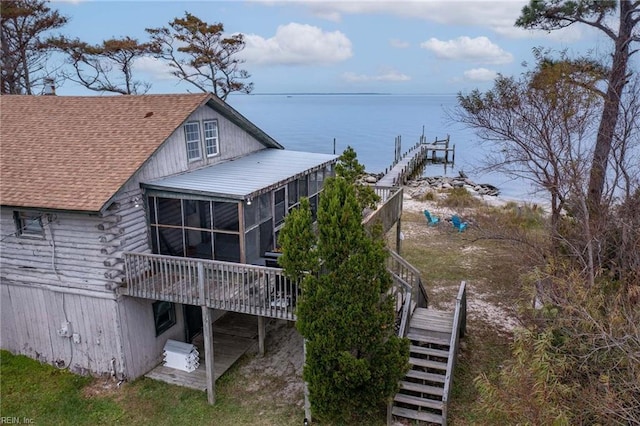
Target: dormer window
{"points": [[192, 137], [28, 224], [211, 137]]}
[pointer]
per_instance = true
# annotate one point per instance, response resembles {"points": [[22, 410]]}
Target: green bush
{"points": [[459, 198]]}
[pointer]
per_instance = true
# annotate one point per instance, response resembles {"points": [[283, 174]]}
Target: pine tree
{"points": [[354, 358]]}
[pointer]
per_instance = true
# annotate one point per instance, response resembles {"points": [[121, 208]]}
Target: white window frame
{"points": [[211, 138], [189, 143]]}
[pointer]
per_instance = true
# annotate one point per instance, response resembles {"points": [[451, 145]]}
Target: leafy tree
{"points": [[554, 14], [107, 67], [354, 358], [24, 52], [199, 53]]}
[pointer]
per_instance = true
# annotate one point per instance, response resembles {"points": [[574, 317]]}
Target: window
{"points": [[164, 315], [211, 137], [279, 208], [195, 228], [192, 136], [28, 225]]}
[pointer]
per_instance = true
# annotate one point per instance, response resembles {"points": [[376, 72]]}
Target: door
{"points": [[192, 321]]}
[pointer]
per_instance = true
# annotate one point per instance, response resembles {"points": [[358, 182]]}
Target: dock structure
{"points": [[404, 165]]}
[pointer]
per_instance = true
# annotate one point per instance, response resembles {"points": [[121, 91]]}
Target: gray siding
{"points": [[142, 349], [71, 254], [31, 317], [171, 158], [128, 218]]}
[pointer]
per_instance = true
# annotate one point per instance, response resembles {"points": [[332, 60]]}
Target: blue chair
{"points": [[458, 223], [431, 220]]}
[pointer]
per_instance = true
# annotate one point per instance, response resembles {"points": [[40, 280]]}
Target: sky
{"points": [[403, 47]]}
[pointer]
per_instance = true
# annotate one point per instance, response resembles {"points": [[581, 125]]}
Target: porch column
{"points": [[261, 333], [207, 331]]}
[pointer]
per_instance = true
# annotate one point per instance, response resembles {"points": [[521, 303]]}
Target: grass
{"points": [[46, 395]]}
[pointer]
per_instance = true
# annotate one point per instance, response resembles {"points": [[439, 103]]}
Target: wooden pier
{"points": [[405, 165]]}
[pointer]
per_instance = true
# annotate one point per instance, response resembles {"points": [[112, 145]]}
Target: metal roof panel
{"points": [[246, 176]]}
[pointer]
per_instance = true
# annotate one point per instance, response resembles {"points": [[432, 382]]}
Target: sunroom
{"points": [[212, 228], [233, 211]]}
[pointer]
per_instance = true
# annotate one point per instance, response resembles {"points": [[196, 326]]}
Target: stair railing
{"points": [[459, 328], [399, 266], [403, 291]]}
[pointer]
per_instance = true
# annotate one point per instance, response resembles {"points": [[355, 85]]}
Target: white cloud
{"points": [[398, 44], [479, 50], [480, 74], [297, 44], [389, 75], [158, 68], [499, 15]]}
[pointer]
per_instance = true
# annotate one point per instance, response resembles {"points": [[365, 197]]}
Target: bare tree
{"points": [[107, 67], [554, 14], [199, 53], [24, 52], [540, 126]]}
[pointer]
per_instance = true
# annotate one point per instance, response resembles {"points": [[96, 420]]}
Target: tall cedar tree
{"points": [[106, 67], [24, 52], [554, 14], [200, 54], [354, 358]]}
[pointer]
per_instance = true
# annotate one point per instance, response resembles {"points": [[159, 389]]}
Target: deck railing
{"points": [[388, 211], [237, 287], [459, 328]]}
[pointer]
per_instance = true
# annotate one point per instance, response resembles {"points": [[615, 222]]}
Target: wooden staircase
{"points": [[434, 335]]}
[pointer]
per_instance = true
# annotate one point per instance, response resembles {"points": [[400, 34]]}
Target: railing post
{"points": [[201, 284]]}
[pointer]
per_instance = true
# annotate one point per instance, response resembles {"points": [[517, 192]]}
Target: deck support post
{"points": [[207, 330], [398, 235], [261, 333], [307, 403]]}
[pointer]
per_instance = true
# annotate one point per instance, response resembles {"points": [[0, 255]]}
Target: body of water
{"points": [[370, 123]]}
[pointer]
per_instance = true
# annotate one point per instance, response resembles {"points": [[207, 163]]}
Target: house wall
{"points": [[171, 157], [70, 275], [142, 349], [32, 316], [71, 254]]}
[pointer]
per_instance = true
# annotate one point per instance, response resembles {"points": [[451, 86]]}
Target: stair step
{"points": [[428, 351], [423, 375], [417, 415], [432, 313], [419, 337], [425, 389], [418, 402], [428, 363]]}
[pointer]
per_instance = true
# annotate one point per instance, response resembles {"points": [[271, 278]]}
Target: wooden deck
{"points": [[233, 335], [235, 287]]}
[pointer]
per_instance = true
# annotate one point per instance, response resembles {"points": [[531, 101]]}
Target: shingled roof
{"points": [[75, 153]]}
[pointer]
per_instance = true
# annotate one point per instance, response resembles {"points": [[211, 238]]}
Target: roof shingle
{"points": [[74, 153]]}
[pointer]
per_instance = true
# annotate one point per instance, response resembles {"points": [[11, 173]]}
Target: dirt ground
{"points": [[284, 356]]}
